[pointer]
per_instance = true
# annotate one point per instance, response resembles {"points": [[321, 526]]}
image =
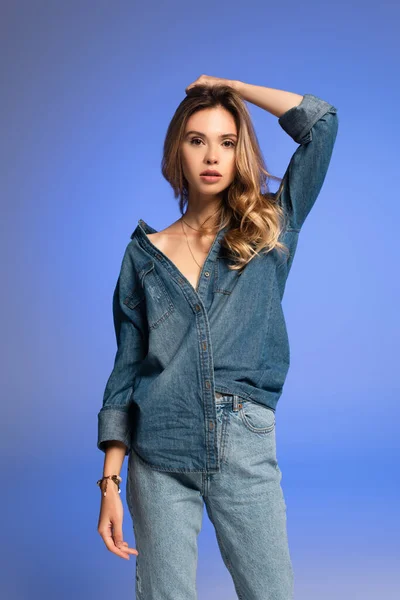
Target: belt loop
{"points": [[235, 402]]}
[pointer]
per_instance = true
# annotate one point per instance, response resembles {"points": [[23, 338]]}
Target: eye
{"points": [[226, 141]]}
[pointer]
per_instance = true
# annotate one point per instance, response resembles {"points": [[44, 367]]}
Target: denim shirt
{"points": [[177, 346]]}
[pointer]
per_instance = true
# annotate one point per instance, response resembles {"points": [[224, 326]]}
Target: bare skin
{"points": [[209, 143], [172, 242], [211, 148], [109, 525]]}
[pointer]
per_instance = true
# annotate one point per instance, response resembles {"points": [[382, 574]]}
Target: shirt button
{"points": [[208, 384], [211, 425], [197, 307], [204, 345], [207, 274]]}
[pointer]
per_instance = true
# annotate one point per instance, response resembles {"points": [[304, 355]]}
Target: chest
{"points": [[189, 261]]}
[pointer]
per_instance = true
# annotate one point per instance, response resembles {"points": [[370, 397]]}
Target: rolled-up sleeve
{"points": [[114, 416], [313, 124]]}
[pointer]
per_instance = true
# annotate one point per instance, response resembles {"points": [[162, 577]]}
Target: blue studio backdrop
{"points": [[88, 89]]}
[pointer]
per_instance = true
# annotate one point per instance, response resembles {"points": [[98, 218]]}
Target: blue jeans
{"points": [[244, 502]]}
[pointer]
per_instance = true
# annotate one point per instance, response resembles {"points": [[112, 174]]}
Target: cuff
{"points": [[113, 424], [298, 121]]}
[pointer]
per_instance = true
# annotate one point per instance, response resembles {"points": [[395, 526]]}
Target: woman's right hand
{"points": [[110, 523]]}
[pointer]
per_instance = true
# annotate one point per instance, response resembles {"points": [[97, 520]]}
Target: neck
{"points": [[202, 218]]}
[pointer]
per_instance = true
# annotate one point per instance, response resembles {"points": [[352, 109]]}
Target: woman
{"points": [[203, 350]]}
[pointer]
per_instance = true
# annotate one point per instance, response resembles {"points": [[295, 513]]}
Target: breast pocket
{"points": [[159, 305], [224, 277]]}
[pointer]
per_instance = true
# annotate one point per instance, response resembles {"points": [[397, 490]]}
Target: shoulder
{"points": [[166, 238]]}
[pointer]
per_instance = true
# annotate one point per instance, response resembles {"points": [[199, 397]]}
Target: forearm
{"points": [[277, 102], [114, 458]]}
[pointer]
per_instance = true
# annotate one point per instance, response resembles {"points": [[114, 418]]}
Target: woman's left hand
{"points": [[210, 80]]}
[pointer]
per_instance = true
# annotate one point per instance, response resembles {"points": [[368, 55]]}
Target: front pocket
{"points": [[158, 301], [257, 417]]}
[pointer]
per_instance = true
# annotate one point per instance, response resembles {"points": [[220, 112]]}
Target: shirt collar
{"points": [[144, 228]]}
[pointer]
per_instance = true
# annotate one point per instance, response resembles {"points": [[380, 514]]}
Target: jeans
{"points": [[244, 502]]}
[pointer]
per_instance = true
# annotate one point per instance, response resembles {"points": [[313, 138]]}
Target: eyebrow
{"points": [[224, 135]]}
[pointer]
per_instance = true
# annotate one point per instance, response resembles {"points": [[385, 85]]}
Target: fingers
{"points": [[119, 540], [208, 80], [199, 80], [125, 547], [116, 546]]}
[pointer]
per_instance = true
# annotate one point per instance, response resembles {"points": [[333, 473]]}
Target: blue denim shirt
{"points": [[177, 346]]}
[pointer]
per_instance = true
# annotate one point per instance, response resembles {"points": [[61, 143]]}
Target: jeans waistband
{"points": [[232, 398]]}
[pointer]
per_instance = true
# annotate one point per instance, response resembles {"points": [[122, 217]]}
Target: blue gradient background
{"points": [[87, 92]]}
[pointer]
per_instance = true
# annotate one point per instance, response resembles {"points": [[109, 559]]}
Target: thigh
{"points": [[246, 505], [166, 510]]}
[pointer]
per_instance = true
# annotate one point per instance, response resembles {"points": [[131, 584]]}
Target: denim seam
{"points": [[166, 296], [224, 432], [118, 407], [168, 469], [263, 430], [307, 128], [310, 110], [216, 279], [223, 551], [211, 370], [268, 313]]}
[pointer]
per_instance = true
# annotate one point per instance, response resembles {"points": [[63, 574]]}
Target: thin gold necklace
{"points": [[187, 240]]}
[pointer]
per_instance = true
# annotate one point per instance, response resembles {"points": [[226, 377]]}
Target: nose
{"points": [[211, 155]]}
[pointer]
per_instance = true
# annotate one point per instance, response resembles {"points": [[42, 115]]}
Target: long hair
{"points": [[253, 214]]}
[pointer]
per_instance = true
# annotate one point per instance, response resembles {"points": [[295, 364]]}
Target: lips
{"points": [[212, 173]]}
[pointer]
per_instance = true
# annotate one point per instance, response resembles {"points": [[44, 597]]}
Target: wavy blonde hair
{"points": [[253, 214]]}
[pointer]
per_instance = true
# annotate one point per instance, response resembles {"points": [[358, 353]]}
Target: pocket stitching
{"points": [[150, 267], [251, 427], [133, 299], [216, 276]]}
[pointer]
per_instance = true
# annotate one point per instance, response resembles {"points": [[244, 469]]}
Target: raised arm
{"points": [[312, 123]]}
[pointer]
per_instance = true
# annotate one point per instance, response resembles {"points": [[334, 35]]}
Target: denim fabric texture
{"points": [[244, 502], [178, 346]]}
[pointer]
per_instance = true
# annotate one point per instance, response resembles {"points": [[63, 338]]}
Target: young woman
{"points": [[202, 347]]}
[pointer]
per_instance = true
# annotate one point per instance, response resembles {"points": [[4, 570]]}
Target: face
{"points": [[209, 143]]}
